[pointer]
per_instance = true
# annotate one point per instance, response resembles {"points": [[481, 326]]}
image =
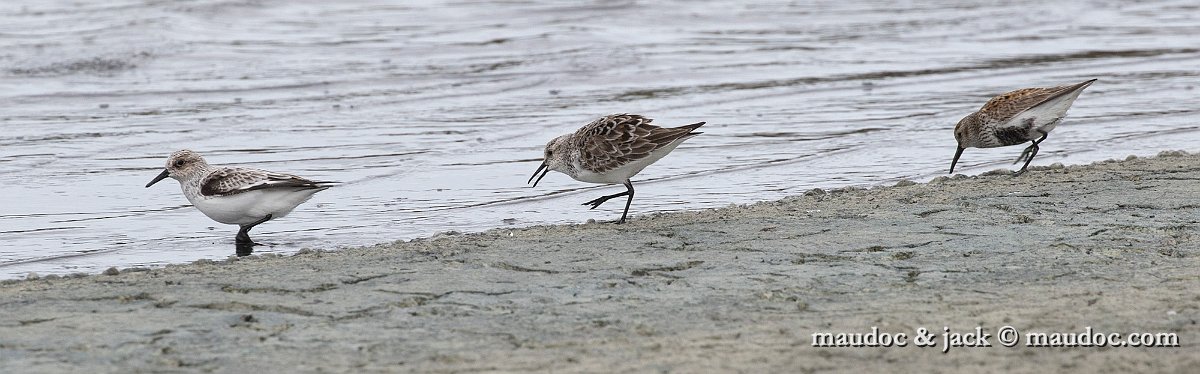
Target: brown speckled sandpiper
{"points": [[611, 150], [1024, 115]]}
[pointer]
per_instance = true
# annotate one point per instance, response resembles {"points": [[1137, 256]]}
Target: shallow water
{"points": [[434, 113]]}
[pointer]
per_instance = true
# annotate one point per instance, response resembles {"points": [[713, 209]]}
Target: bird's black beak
{"points": [[956, 155], [535, 174], [161, 176]]}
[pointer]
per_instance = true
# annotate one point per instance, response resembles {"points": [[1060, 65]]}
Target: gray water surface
{"points": [[434, 114]]}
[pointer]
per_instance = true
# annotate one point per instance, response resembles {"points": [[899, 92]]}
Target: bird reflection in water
{"points": [[243, 249]]}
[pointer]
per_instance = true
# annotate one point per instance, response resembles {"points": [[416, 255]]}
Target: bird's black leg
{"points": [[1029, 153], [243, 235], [600, 200], [1030, 148], [628, 185]]}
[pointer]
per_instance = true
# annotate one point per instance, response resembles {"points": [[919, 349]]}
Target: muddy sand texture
{"points": [[1111, 245]]}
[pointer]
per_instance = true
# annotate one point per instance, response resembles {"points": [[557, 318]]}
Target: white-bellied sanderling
{"points": [[1024, 115], [237, 196], [611, 150]]}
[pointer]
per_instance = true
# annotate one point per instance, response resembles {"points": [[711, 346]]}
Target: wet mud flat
{"points": [[1112, 246]]}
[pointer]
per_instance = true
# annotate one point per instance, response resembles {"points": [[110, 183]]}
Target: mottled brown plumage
{"points": [[1002, 108], [611, 149], [612, 141], [229, 181], [1016, 117]]}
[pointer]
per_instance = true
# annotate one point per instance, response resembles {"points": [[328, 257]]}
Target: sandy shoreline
{"points": [[1112, 246]]}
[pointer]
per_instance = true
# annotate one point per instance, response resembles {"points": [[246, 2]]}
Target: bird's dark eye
{"points": [[179, 163]]}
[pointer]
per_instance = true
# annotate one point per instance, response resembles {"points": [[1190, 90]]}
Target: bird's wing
{"points": [[230, 181], [615, 140], [1028, 107]]}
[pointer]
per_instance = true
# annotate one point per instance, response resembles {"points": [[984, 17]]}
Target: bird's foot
{"points": [[600, 200]]}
